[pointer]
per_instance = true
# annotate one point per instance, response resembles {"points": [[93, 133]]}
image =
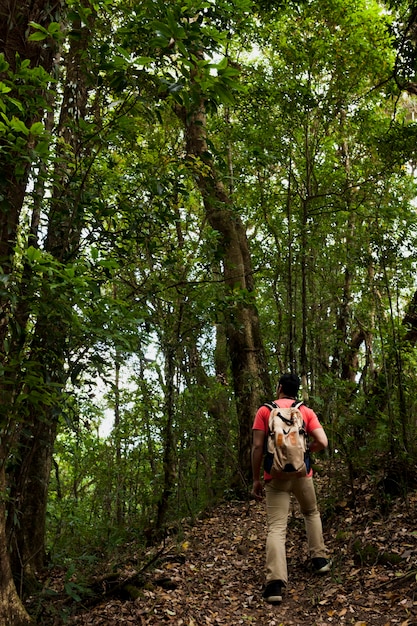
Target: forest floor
{"points": [[212, 572]]}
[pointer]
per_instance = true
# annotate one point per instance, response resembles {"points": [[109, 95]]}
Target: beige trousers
{"points": [[278, 496]]}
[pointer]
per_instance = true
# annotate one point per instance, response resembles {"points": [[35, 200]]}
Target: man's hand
{"points": [[257, 490]]}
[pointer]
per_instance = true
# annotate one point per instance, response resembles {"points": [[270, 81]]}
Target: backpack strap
{"points": [[295, 405], [271, 406]]}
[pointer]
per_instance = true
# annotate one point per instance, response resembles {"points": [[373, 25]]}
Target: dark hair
{"points": [[290, 384]]}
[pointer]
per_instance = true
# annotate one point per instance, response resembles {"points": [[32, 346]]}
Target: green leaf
{"points": [[4, 66], [19, 126], [54, 28], [37, 128], [162, 29], [223, 95], [222, 65], [37, 26], [38, 36], [71, 591], [229, 71], [42, 149], [17, 103], [144, 61], [33, 254]]}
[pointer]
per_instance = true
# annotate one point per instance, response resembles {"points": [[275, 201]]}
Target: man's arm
{"points": [[257, 456], [319, 440]]}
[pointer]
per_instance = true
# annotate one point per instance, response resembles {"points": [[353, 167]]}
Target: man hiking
{"points": [[278, 489]]}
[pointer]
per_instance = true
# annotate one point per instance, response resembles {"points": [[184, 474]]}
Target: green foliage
{"points": [[54, 31], [22, 95], [308, 135], [310, 131]]}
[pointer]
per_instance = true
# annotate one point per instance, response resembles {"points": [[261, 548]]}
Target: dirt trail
{"points": [[212, 573]]}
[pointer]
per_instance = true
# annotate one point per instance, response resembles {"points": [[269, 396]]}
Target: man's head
{"points": [[289, 385]]}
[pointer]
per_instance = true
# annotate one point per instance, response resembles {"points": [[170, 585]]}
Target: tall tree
{"points": [[26, 65], [30, 477], [248, 362]]}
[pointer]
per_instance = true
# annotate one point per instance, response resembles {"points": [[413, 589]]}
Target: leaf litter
{"points": [[214, 574]]}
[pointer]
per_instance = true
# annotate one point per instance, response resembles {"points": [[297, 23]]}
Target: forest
{"points": [[195, 197]]}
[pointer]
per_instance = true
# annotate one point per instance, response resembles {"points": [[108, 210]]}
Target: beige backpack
{"points": [[287, 453]]}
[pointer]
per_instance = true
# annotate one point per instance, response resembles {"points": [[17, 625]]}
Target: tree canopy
{"points": [[195, 197]]}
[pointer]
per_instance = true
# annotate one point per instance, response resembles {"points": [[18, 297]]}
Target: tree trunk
{"points": [[250, 377], [12, 611], [410, 321], [14, 164], [118, 445], [169, 459], [309, 165], [29, 479], [292, 360], [29, 492], [304, 298]]}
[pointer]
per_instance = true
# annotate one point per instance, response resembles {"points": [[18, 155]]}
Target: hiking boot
{"points": [[273, 592], [321, 565]]}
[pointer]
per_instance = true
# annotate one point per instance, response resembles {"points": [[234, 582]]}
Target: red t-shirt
{"points": [[262, 417]]}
